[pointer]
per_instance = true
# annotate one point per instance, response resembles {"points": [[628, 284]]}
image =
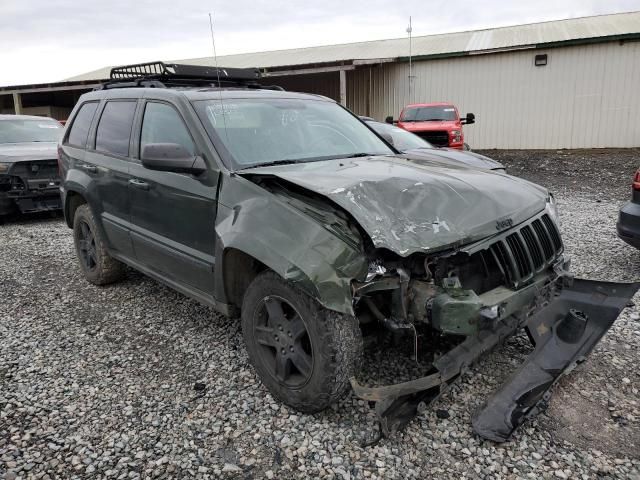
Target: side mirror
{"points": [[469, 119], [171, 157], [390, 120]]}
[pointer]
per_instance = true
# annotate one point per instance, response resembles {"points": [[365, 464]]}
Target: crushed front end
{"points": [[29, 186], [479, 295]]}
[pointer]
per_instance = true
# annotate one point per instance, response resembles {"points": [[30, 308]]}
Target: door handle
{"points": [[89, 168], [139, 184]]}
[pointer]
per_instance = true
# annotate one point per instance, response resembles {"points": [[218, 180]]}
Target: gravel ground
{"points": [[107, 382]]}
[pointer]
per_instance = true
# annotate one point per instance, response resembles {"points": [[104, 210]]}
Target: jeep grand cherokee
{"points": [[288, 210]]}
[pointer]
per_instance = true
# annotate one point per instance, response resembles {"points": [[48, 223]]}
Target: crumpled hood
{"points": [[414, 204], [19, 152], [460, 156]]}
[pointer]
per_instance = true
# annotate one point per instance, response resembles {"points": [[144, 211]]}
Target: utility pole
{"points": [[409, 31]]}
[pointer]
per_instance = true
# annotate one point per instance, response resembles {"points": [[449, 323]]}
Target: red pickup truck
{"points": [[438, 123]]}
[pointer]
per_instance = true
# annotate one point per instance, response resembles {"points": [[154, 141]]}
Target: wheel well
{"points": [[74, 200], [239, 271]]}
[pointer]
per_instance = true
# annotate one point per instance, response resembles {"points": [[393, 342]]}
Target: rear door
{"points": [[107, 161], [173, 214]]}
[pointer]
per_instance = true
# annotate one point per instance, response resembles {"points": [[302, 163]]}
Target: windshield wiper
{"points": [[357, 155], [270, 164]]}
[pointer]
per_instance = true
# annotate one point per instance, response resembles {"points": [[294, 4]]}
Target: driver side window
{"points": [[163, 124]]}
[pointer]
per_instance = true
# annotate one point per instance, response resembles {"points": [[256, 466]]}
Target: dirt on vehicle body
{"points": [[288, 210]]}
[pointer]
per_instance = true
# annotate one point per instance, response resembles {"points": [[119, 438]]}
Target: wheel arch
{"points": [[73, 200], [241, 265], [239, 270]]}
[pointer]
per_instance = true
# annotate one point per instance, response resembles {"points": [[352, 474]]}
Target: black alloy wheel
{"points": [[87, 247], [285, 346]]}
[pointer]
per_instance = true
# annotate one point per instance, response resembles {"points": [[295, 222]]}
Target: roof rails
{"points": [[168, 75]]}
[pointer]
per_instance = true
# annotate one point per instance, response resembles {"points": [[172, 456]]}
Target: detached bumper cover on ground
{"points": [[563, 333]]}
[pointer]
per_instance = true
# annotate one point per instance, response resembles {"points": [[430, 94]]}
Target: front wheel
{"points": [[304, 353]]}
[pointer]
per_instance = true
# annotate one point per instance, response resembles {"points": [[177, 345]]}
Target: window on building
{"points": [[540, 60]]}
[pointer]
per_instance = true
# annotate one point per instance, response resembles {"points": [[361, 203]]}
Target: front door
{"points": [[173, 214]]}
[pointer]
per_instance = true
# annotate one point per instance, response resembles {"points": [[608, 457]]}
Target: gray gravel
{"points": [[99, 382]]}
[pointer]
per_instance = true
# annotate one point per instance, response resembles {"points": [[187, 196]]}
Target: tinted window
{"points": [[114, 129], [81, 124], [163, 124]]}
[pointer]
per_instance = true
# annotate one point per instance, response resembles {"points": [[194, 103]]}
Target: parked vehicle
{"points": [[438, 123], [628, 225], [408, 142], [286, 209], [29, 180]]}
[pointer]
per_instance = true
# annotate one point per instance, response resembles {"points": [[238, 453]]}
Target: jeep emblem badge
{"points": [[504, 224]]}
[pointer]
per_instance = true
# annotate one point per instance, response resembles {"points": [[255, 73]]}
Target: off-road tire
{"points": [[335, 338], [107, 270]]}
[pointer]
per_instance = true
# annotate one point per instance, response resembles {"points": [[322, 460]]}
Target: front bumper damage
{"points": [[30, 186], [564, 321]]}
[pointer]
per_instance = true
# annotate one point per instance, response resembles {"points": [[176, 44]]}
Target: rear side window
{"points": [[81, 124], [163, 124], [114, 128]]}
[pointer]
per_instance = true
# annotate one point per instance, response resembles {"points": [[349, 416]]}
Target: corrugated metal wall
{"points": [[585, 97], [327, 84]]}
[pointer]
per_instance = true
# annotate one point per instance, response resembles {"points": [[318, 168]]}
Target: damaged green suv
{"points": [[289, 211]]}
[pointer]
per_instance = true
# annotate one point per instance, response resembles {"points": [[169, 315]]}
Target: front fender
{"points": [[290, 243]]}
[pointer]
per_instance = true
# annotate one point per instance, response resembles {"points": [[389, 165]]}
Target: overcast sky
{"points": [[49, 40]]}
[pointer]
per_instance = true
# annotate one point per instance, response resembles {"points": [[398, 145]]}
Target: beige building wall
{"points": [[586, 96]]}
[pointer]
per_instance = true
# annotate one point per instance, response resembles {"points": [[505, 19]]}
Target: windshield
{"points": [[429, 114], [25, 131], [263, 131], [401, 139]]}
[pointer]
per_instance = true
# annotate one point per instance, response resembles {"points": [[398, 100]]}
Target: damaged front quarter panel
{"points": [[313, 248]]}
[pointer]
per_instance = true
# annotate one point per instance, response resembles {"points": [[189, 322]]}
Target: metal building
{"points": [[560, 84]]}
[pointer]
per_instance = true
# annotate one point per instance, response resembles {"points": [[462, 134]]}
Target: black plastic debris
{"points": [[440, 413]]}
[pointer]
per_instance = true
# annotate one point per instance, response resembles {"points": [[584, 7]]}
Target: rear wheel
{"points": [[97, 265], [304, 353]]}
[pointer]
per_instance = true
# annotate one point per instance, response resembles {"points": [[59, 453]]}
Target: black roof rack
{"points": [[167, 75]]}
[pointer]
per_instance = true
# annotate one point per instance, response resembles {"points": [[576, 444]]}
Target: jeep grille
{"points": [[528, 250]]}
